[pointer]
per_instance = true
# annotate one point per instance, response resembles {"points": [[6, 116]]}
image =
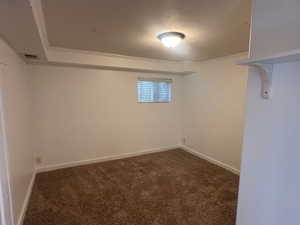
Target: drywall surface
{"points": [[269, 188], [275, 27], [18, 121], [84, 114], [213, 109]]}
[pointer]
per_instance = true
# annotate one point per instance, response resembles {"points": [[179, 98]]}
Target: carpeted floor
{"points": [[167, 188]]}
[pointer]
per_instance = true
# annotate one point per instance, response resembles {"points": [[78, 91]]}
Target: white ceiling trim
{"points": [[40, 22], [103, 61], [73, 57], [104, 54]]}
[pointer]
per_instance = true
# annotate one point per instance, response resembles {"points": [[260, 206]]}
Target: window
{"points": [[154, 90]]}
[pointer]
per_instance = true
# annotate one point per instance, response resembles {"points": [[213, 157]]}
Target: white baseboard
{"points": [[102, 159], [26, 200], [127, 155], [210, 159]]}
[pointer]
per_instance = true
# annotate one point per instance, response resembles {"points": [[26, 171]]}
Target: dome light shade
{"points": [[171, 39]]}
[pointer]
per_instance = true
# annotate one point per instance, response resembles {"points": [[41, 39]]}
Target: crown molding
{"points": [[58, 56], [105, 54], [38, 15]]}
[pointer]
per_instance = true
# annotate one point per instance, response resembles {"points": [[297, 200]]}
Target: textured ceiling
{"points": [[213, 28]]}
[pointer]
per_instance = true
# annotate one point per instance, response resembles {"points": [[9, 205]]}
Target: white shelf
{"points": [[289, 56]]}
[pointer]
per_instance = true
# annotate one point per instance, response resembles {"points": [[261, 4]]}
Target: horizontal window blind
{"points": [[154, 90]]}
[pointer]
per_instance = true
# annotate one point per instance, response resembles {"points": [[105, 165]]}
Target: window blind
{"points": [[154, 90]]}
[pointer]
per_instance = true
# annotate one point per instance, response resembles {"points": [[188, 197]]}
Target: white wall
{"points": [[86, 113], [269, 191], [275, 27], [270, 184], [213, 109], [18, 121]]}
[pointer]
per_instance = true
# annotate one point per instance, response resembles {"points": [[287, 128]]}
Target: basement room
{"points": [[149, 112]]}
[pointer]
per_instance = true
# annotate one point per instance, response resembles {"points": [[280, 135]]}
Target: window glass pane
{"points": [[164, 91], [145, 90]]}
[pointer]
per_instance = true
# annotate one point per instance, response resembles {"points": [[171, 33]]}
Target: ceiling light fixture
{"points": [[171, 39]]}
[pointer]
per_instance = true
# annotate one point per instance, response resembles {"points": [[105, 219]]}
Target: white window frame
{"points": [[170, 81]]}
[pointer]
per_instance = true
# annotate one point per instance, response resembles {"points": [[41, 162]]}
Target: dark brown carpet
{"points": [[167, 188]]}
